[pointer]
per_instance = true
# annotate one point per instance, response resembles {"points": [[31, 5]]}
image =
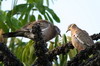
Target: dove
{"points": [[49, 30], [80, 38]]}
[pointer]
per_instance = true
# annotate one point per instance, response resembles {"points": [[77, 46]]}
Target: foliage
{"points": [[21, 14]]}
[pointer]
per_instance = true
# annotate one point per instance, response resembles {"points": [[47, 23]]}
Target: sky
{"points": [[84, 13]]}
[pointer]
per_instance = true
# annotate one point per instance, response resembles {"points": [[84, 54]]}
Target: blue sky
{"points": [[84, 13]]}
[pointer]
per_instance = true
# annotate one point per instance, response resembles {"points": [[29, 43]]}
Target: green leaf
{"points": [[51, 46], [32, 18], [4, 27], [62, 61], [25, 20], [56, 62], [39, 2], [41, 9], [30, 1], [45, 17], [2, 16], [39, 16], [72, 53], [18, 52], [68, 38], [12, 23], [2, 21], [19, 9], [28, 53], [64, 39], [56, 41], [49, 18], [27, 15], [47, 1], [15, 23], [39, 5], [56, 18]]}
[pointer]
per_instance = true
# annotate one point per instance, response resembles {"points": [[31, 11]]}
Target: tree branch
{"points": [[88, 57], [95, 36], [7, 57], [65, 48], [59, 50], [40, 48]]}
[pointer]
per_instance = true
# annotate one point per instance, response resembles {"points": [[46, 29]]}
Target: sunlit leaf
{"points": [[51, 46], [72, 53]]}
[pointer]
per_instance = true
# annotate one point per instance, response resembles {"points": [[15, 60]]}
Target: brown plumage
{"points": [[80, 38], [49, 30]]}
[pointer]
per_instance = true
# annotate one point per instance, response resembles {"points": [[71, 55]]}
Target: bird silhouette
{"points": [[49, 30], [80, 38]]}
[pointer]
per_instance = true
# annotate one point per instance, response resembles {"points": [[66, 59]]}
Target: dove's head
{"points": [[71, 26], [57, 30]]}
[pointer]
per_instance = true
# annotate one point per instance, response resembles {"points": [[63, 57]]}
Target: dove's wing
{"points": [[28, 27], [83, 37]]}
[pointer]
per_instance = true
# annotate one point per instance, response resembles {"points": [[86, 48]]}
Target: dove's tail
{"points": [[13, 34]]}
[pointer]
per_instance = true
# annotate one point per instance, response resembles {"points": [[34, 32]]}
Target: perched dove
{"points": [[49, 30], [80, 38]]}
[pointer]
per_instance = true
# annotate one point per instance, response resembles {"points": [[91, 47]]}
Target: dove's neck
{"points": [[74, 29]]}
